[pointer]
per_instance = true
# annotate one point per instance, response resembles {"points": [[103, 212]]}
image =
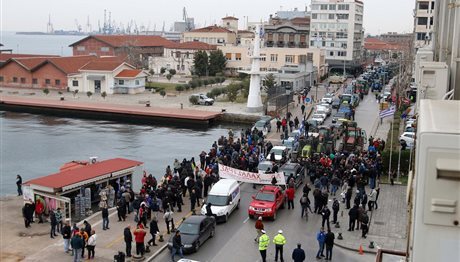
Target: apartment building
{"points": [[337, 27], [423, 24], [288, 29]]}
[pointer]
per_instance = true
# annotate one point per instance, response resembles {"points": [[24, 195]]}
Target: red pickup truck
{"points": [[267, 202]]}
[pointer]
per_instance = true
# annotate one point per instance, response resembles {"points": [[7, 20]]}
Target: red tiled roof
{"points": [[212, 29], [129, 73], [4, 57], [128, 40], [372, 43], [71, 64], [104, 64], [79, 175], [194, 45], [230, 18], [29, 62]]}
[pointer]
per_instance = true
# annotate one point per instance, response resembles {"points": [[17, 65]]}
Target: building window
{"points": [[238, 56], [263, 57], [314, 7], [422, 21], [137, 82], [289, 59], [331, 7], [105, 49], [273, 57], [343, 7], [344, 45], [331, 44], [421, 36], [1, 78], [47, 81], [342, 53], [423, 5], [34, 81], [75, 83], [314, 16], [228, 56], [310, 57], [323, 7], [182, 67], [15, 79], [302, 59], [331, 16], [331, 53], [178, 67], [23, 80], [80, 48], [57, 82], [342, 16], [121, 82]]}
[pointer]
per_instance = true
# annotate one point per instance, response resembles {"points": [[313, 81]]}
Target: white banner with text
{"points": [[250, 177]]}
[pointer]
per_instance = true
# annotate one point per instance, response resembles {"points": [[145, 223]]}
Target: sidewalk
{"points": [[34, 244]]}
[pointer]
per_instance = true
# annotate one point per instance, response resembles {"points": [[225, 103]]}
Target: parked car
{"points": [[195, 230], [336, 103], [296, 170], [268, 121], [281, 153], [290, 143], [324, 107], [319, 118], [264, 166], [409, 137], [340, 115], [203, 99], [327, 100], [224, 198], [261, 125], [266, 202], [322, 112]]}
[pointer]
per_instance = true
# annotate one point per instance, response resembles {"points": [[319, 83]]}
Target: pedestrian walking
{"points": [[128, 236], [66, 233], [305, 204], [105, 218], [85, 237], [121, 209], [177, 246], [259, 227], [372, 198], [303, 109], [139, 235], [298, 254], [154, 230], [77, 246], [335, 210], [264, 240], [325, 213], [169, 220], [19, 184], [279, 241], [91, 246], [353, 215], [58, 215], [329, 244], [364, 224], [290, 192], [321, 237]]}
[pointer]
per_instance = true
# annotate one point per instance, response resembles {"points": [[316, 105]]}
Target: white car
{"points": [[327, 100], [202, 99], [318, 118], [325, 107], [409, 137], [321, 112], [280, 152]]}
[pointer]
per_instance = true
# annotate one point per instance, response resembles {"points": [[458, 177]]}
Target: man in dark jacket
{"points": [[325, 213], [298, 255], [353, 214], [177, 246], [329, 244], [335, 210], [364, 224], [105, 218], [128, 240], [77, 244], [121, 209], [66, 233], [153, 230], [53, 225], [87, 228]]}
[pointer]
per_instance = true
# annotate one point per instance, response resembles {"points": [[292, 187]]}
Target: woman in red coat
{"points": [[290, 193], [39, 209]]}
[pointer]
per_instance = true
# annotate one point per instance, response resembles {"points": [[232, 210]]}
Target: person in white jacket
{"points": [[91, 245], [372, 199]]}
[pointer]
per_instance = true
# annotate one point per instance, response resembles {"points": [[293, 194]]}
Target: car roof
{"points": [[279, 147], [194, 219], [289, 165], [269, 188]]}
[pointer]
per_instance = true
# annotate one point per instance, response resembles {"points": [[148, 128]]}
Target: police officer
{"points": [[264, 240], [279, 241]]}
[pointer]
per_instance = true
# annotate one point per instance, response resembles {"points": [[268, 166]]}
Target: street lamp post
{"points": [[288, 92]]}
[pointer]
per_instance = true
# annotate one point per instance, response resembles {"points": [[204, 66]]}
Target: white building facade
{"points": [[423, 24], [337, 27]]}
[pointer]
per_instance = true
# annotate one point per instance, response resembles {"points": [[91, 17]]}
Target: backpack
{"points": [[304, 200], [155, 206]]}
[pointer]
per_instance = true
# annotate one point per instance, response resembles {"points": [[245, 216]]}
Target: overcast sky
{"points": [[380, 16]]}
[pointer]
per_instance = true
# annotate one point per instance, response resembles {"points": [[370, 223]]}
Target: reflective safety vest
{"points": [[264, 240], [279, 240]]}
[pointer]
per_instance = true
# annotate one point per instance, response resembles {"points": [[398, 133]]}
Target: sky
{"points": [[380, 16]]}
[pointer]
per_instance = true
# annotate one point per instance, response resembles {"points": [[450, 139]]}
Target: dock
{"points": [[119, 112]]}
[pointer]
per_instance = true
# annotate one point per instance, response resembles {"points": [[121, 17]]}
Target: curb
{"points": [[355, 250]]}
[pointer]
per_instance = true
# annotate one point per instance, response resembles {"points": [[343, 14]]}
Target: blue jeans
{"points": [[329, 252], [334, 189], [321, 250], [372, 183], [105, 222], [174, 251], [77, 255], [66, 244]]}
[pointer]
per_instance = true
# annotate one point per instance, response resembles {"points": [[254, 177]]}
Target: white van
{"points": [[224, 197]]}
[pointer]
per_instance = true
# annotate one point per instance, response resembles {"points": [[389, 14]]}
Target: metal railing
{"points": [[381, 252]]}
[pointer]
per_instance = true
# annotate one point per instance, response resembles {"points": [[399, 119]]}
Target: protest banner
{"points": [[250, 177]]}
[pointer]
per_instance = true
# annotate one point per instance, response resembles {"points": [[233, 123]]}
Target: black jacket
{"points": [[154, 227], [105, 213], [298, 255], [66, 232], [177, 242], [128, 235], [330, 239], [353, 213]]}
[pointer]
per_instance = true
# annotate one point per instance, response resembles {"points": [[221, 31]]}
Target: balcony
{"points": [[303, 45], [280, 44], [291, 44], [269, 43]]}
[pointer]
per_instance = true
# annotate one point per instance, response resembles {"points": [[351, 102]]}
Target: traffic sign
{"points": [[307, 100]]}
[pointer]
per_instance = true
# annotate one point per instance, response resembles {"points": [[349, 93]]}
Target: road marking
{"points": [[246, 220]]}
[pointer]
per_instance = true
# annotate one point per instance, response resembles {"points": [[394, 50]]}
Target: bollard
{"points": [[147, 104], [371, 245], [181, 106], [161, 239], [337, 225], [340, 236]]}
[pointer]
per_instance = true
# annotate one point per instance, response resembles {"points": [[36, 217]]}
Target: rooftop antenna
{"points": [[88, 26]]}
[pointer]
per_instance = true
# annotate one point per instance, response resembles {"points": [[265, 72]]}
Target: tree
{"points": [[152, 72], [269, 82], [172, 71], [103, 94], [193, 100], [169, 76], [162, 93], [46, 91], [205, 82], [162, 70], [89, 94], [217, 62], [179, 88], [200, 63], [232, 92]]}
